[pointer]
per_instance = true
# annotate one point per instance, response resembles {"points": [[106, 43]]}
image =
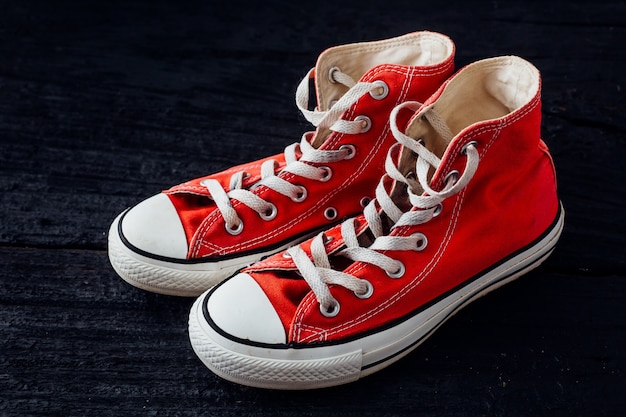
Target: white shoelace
{"points": [[329, 119], [318, 272]]}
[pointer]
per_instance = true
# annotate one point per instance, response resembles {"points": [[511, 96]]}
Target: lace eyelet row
{"points": [[267, 215], [381, 89], [422, 242], [333, 309], [366, 122]]}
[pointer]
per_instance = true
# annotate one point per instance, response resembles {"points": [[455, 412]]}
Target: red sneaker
{"points": [[468, 207], [192, 236]]}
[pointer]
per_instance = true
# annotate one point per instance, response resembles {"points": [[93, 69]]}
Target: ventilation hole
{"points": [[330, 213]]}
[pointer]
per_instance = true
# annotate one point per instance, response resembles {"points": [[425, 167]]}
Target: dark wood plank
{"points": [[104, 103]]}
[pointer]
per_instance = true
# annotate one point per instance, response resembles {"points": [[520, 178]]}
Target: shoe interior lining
{"points": [[416, 49], [486, 91], [490, 91]]}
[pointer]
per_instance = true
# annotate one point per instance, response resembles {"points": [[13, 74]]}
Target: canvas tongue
{"points": [[330, 87], [335, 73], [429, 128]]}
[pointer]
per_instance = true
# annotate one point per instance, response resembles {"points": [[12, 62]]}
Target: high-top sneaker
{"points": [[468, 204], [192, 236]]}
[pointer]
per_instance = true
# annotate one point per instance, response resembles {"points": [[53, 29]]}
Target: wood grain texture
{"points": [[104, 103]]}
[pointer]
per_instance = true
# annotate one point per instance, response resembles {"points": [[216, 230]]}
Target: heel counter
{"points": [[550, 179]]}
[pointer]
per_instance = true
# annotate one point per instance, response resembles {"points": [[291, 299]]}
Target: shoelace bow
{"points": [[317, 270], [297, 165]]}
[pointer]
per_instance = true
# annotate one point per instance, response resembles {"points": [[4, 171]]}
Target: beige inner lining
{"points": [[415, 49], [489, 90]]}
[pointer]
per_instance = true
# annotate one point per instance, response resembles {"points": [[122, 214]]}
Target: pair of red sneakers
{"points": [[419, 190]]}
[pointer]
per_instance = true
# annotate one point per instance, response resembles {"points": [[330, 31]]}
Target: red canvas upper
{"points": [[510, 202], [352, 179]]}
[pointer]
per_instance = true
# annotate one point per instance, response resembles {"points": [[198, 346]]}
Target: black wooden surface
{"points": [[104, 103]]}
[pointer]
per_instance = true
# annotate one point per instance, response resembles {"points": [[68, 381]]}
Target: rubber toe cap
{"points": [[154, 227], [240, 308]]}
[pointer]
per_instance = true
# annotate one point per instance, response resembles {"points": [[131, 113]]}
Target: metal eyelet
{"points": [[382, 90], [369, 290], [350, 151], [300, 195], [468, 144], [331, 74], [452, 176], [366, 123], [327, 175], [422, 242], [332, 310], [234, 231], [364, 202], [330, 213], [437, 210], [286, 255], [270, 213], [398, 273]]}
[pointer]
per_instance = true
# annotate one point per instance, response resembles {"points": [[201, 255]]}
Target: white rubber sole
{"points": [[182, 278], [290, 368]]}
